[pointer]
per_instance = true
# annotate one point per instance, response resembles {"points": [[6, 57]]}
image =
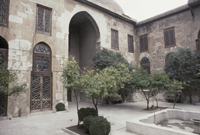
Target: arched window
{"points": [[145, 64], [41, 78], [198, 42]]}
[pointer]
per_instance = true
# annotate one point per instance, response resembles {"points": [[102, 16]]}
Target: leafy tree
{"points": [[8, 84], [174, 90], [71, 78], [106, 58], [104, 83], [184, 66], [140, 81], [158, 82]]}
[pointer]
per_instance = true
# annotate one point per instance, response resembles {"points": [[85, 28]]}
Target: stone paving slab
{"points": [[52, 123]]}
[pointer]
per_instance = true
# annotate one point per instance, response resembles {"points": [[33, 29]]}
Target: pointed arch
{"points": [[145, 63]]}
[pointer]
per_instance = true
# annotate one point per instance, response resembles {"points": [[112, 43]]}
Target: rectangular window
{"points": [[114, 39], [43, 19], [130, 44], [143, 43], [4, 4], [169, 37]]}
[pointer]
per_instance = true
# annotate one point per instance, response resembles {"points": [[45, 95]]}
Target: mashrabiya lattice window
{"points": [[114, 39], [43, 20], [169, 37], [130, 44], [4, 12], [143, 43]]}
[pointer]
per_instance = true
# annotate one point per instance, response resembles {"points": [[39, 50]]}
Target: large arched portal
{"points": [[83, 39], [3, 61]]}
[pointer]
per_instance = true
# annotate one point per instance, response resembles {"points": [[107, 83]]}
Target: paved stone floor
{"points": [[51, 123]]}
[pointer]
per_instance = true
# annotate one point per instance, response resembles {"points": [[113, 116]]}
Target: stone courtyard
{"points": [[49, 123]]}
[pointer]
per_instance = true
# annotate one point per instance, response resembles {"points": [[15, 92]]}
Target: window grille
{"points": [[169, 37], [4, 12], [143, 43], [130, 44], [41, 78], [114, 39], [145, 64], [44, 20]]}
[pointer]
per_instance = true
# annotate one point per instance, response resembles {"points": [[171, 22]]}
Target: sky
{"points": [[143, 9]]}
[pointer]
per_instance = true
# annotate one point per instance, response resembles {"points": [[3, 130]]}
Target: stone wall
{"points": [[21, 36]]}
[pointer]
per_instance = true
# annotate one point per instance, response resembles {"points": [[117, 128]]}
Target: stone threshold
{"points": [[69, 131]]}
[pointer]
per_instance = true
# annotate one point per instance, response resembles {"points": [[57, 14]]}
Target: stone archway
{"points": [[84, 42], [3, 61], [83, 39]]}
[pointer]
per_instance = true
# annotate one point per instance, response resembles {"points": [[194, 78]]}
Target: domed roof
{"points": [[108, 4]]}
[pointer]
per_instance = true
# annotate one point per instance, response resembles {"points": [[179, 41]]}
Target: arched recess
{"points": [[41, 78], [198, 42], [84, 39], [3, 61], [145, 63]]}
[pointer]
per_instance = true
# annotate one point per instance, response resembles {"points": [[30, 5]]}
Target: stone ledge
{"points": [[69, 131]]}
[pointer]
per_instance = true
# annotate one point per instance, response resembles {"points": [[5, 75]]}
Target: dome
{"points": [[109, 4]]}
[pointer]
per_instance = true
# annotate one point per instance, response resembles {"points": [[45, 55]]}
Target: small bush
{"points": [[84, 112], [99, 126], [86, 122], [60, 107]]}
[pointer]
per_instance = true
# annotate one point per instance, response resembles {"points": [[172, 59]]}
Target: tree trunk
{"points": [[157, 102], [95, 105], [147, 104], [76, 96], [174, 102], [146, 99]]}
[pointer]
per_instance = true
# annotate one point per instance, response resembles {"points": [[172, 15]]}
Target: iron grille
{"points": [[169, 37], [2, 59], [44, 20], [145, 64], [41, 63], [114, 39], [130, 44], [3, 11], [2, 104], [143, 43]]}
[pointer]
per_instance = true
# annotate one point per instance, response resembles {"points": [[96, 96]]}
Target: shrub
{"points": [[60, 107], [99, 126], [86, 122], [84, 112]]}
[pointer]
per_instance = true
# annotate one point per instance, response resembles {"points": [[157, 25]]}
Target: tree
{"points": [[158, 82], [184, 66], [104, 83], [140, 81], [106, 58], [71, 78], [174, 90], [8, 84]]}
